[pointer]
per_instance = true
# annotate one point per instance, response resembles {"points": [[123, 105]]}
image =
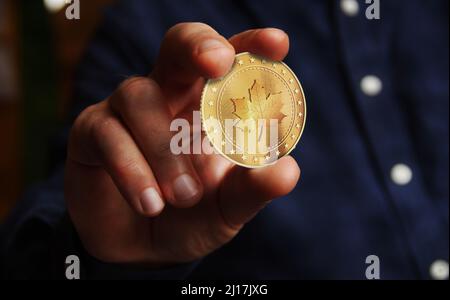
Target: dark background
{"points": [[39, 50]]}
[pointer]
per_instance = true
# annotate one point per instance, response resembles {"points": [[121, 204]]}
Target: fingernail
{"points": [[151, 201], [185, 188], [209, 45]]}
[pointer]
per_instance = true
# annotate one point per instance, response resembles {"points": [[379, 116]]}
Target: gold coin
{"points": [[256, 113]]}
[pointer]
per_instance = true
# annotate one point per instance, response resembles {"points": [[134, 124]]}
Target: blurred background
{"points": [[39, 51]]}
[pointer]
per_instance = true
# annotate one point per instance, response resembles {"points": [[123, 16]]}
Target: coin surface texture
{"points": [[256, 113]]}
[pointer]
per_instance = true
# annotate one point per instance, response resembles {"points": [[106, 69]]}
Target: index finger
{"points": [[272, 43], [190, 51]]}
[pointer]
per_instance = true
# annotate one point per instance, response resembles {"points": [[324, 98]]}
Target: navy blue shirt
{"points": [[374, 155]]}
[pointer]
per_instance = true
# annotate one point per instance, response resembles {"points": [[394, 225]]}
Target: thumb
{"points": [[245, 192]]}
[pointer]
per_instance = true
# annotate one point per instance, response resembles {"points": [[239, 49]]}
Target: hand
{"points": [[130, 198]]}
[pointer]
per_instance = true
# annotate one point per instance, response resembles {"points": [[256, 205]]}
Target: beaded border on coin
{"points": [[210, 109]]}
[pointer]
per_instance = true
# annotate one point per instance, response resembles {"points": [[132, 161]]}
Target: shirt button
{"points": [[401, 174], [439, 270], [371, 85], [350, 7]]}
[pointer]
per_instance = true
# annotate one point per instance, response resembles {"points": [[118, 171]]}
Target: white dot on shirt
{"points": [[439, 270], [401, 174], [371, 85], [350, 7]]}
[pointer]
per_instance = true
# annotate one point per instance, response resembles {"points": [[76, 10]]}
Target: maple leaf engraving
{"points": [[259, 106]]}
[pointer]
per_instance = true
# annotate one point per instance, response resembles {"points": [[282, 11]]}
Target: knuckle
{"points": [[133, 90], [188, 28], [85, 115], [176, 28], [103, 126], [79, 135], [188, 34], [81, 124]]}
